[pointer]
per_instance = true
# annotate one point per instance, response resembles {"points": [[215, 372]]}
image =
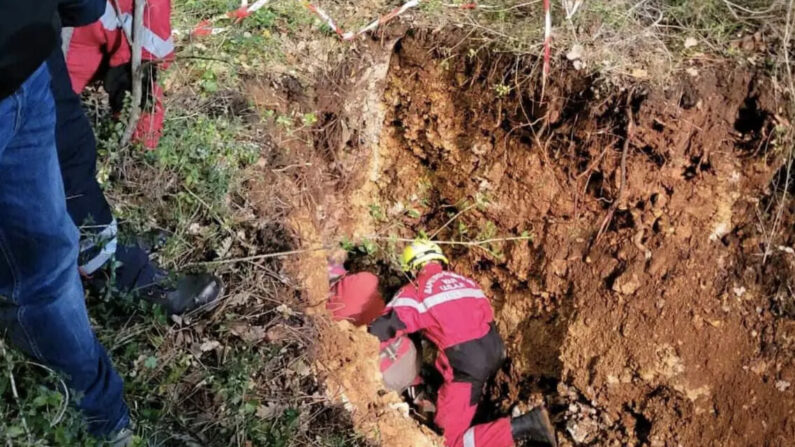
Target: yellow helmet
{"points": [[419, 253]]}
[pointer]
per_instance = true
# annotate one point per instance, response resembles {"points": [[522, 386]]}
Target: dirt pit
{"points": [[639, 310]]}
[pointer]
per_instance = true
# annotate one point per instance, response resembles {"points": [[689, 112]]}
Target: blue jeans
{"points": [[42, 307]]}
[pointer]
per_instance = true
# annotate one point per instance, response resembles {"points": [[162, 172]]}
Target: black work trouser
{"points": [[85, 201]]}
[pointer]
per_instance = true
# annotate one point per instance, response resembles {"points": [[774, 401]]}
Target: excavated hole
{"points": [[590, 306], [447, 131]]}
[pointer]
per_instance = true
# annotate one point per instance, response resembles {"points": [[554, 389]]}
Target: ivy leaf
{"points": [[150, 362], [15, 431]]}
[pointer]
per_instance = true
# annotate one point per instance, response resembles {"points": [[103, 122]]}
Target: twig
{"points": [[731, 6], [519, 6], [777, 221], [614, 205], [433, 235], [459, 243], [595, 162], [14, 391], [62, 411], [211, 211], [284, 254], [137, 73], [203, 58], [280, 254], [571, 9]]}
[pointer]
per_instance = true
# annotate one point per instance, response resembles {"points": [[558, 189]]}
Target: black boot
{"points": [[184, 294], [534, 426]]}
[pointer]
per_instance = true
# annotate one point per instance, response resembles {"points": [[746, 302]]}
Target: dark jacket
{"points": [[29, 32], [27, 36], [80, 12]]}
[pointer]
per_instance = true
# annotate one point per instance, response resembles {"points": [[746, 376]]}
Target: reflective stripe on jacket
{"points": [[85, 47], [453, 313]]}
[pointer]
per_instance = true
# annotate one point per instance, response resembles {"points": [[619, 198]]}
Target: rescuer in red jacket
{"points": [[102, 50], [452, 312]]}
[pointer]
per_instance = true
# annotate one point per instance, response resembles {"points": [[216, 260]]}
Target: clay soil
{"points": [[641, 311]]}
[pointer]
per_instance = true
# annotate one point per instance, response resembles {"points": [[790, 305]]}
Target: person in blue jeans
{"points": [[42, 307]]}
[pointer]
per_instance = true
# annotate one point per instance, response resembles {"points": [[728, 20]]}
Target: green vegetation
{"points": [[239, 375]]}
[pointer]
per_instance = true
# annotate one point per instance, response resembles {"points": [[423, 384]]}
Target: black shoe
{"points": [[187, 293], [534, 426]]}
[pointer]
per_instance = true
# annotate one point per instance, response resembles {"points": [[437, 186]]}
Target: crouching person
{"points": [[452, 312]]}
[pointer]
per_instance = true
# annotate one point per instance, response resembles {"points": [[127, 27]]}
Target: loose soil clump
{"points": [[639, 309]]}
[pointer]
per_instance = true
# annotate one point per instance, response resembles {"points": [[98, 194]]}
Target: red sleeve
{"points": [[408, 309], [158, 44], [84, 54]]}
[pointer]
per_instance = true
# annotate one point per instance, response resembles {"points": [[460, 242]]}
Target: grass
{"points": [[236, 376], [239, 375]]}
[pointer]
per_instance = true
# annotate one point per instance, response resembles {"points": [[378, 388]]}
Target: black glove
{"points": [[118, 81], [386, 326]]}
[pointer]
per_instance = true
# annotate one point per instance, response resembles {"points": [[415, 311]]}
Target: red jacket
{"points": [[86, 48], [453, 313]]}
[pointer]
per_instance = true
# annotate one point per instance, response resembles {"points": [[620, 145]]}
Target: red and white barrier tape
{"points": [[547, 47], [367, 28], [326, 18], [205, 27], [471, 5]]}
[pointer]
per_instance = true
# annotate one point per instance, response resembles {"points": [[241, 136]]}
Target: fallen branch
{"points": [[14, 392], [458, 243], [622, 185], [284, 254], [433, 235], [137, 72], [65, 404], [280, 254]]}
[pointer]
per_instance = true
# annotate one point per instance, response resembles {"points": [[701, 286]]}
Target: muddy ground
{"points": [[642, 310]]}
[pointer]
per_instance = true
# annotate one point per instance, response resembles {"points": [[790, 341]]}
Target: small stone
{"points": [[627, 284], [575, 53], [785, 249], [690, 42], [583, 431], [782, 385], [209, 345]]}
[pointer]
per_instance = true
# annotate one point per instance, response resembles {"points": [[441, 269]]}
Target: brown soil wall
{"points": [[657, 330]]}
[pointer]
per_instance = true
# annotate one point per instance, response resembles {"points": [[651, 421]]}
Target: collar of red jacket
{"points": [[431, 269]]}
